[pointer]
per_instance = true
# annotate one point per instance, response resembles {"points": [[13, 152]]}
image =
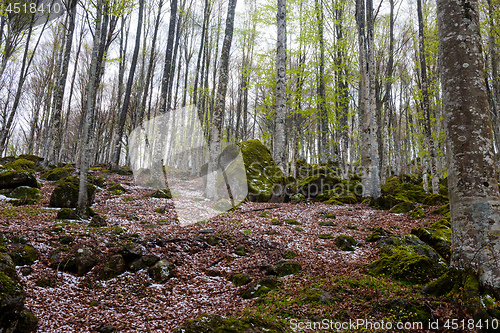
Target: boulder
{"points": [[346, 242], [317, 295], [435, 200], [24, 256], [407, 258], [438, 236], [377, 234], [240, 279], [20, 164], [262, 172], [403, 207], [65, 194], [284, 268], [131, 251], [67, 214], [85, 260], [144, 262], [161, 271], [62, 261], [13, 316], [418, 213], [260, 287], [26, 194], [113, 267], [13, 179], [98, 221], [316, 184], [56, 174]]}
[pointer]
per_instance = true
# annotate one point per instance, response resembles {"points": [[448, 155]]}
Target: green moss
{"points": [[276, 222], [265, 213], [403, 207], [442, 223], [327, 215], [214, 323], [261, 287], [20, 164], [377, 234], [26, 193], [65, 194], [240, 279], [67, 214], [442, 210], [284, 268], [24, 256], [98, 181], [325, 236], [262, 173], [438, 237], [345, 242], [334, 202], [292, 222], [435, 200], [56, 174], [418, 213], [127, 199], [384, 202], [289, 254], [240, 250], [296, 198], [328, 224]]}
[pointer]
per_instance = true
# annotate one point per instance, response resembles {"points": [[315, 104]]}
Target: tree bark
{"points": [[281, 103], [472, 171], [425, 101]]}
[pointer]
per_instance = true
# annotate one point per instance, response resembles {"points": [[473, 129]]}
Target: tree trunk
{"points": [[281, 103], [323, 115], [425, 98], [218, 116], [472, 171], [128, 91]]}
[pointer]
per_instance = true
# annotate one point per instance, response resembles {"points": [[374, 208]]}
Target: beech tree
{"points": [[472, 171], [281, 107]]}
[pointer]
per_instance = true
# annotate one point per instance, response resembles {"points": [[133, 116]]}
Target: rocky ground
{"points": [[205, 257]]}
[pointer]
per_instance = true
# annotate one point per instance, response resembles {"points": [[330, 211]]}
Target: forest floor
{"points": [[133, 302]]}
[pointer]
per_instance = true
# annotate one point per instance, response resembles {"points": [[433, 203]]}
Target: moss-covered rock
{"points": [[403, 207], [63, 261], [117, 189], [98, 181], [240, 250], [325, 236], [12, 294], [24, 256], [292, 222], [409, 259], [442, 210], [316, 295], [284, 268], [209, 323], [418, 213], [289, 254], [346, 242], [261, 287], [385, 202], [316, 184], [67, 214], [296, 198], [438, 236], [65, 194], [27, 322], [377, 234], [162, 194], [262, 172], [435, 200], [13, 179], [85, 260], [240, 279], [98, 221], [56, 174], [26, 194], [20, 164]]}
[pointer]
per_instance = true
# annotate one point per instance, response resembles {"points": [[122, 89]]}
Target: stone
{"points": [[13, 179], [56, 174], [260, 287], [240, 250], [98, 221], [438, 237], [317, 295], [113, 267], [417, 213], [144, 262], [161, 271], [66, 239], [403, 207], [67, 214], [284, 268], [26, 194], [435, 200], [289, 254], [345, 242], [240, 279], [24, 256], [131, 251], [27, 322], [27, 271], [209, 323], [85, 260], [377, 234], [65, 194]]}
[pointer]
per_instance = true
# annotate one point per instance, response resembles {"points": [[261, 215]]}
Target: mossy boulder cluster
{"points": [[18, 181], [409, 259], [13, 316], [401, 194], [215, 323], [438, 236]]}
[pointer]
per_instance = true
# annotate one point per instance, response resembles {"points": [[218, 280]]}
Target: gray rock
{"points": [[113, 267], [131, 251], [317, 295], [98, 221], [161, 271], [85, 260]]}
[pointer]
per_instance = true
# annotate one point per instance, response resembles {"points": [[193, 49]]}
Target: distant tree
{"points": [[472, 171]]}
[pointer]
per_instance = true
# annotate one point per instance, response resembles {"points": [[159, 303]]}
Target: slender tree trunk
{"points": [[218, 117], [123, 114], [281, 103], [93, 84], [323, 115], [472, 171], [167, 70], [425, 98]]}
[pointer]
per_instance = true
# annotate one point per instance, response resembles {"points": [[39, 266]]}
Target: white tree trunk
{"points": [[281, 107]]}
